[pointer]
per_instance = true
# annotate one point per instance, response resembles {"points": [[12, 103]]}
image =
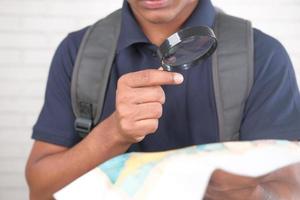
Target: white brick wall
{"points": [[30, 30]]}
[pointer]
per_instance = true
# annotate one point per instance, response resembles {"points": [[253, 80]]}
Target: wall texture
{"points": [[31, 30]]}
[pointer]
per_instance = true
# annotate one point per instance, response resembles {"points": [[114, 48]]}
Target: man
{"points": [[178, 108]]}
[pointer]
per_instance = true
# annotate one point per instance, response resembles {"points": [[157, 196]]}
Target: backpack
{"points": [[232, 66]]}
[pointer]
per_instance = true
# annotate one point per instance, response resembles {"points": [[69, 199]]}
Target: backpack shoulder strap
{"points": [[233, 66], [91, 71]]}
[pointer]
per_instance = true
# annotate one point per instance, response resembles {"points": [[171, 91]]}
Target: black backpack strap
{"points": [[233, 69], [92, 70]]}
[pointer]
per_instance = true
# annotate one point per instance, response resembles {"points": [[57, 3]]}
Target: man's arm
{"points": [[51, 167], [139, 100], [282, 184]]}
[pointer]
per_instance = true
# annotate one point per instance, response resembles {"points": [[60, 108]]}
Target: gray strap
{"points": [[92, 70], [233, 66]]}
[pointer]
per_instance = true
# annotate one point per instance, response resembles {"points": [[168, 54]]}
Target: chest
{"points": [[189, 114]]}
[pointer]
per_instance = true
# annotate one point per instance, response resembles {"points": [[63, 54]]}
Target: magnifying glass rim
{"points": [[188, 65], [202, 55], [178, 37]]}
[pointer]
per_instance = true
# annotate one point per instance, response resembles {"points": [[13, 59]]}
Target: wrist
{"points": [[120, 137], [108, 130], [116, 134], [104, 143]]}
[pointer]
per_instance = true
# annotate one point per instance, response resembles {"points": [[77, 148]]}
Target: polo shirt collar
{"points": [[131, 32], [203, 15]]}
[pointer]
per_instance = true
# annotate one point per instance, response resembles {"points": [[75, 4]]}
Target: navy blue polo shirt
{"points": [[189, 115]]}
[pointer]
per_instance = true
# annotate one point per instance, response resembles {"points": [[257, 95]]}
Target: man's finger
{"points": [[149, 111], [152, 77], [146, 126], [148, 94]]}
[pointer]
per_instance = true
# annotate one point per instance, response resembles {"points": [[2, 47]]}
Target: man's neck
{"points": [[158, 32]]}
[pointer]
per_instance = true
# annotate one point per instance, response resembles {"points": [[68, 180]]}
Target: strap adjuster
{"points": [[83, 126], [84, 122]]}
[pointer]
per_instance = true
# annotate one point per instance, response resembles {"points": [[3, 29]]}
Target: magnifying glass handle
{"points": [[177, 69], [166, 67]]}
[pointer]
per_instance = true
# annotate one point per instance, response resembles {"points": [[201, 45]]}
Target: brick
{"points": [[23, 40], [24, 89], [10, 56], [13, 165], [17, 136], [58, 8], [48, 24], [22, 74], [12, 180], [14, 193], [21, 105], [9, 151], [10, 23], [11, 120], [82, 8], [15, 7]]}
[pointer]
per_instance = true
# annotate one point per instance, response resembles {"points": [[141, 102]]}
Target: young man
{"points": [[141, 100]]}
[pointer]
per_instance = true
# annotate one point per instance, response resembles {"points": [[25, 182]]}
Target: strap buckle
{"points": [[84, 122], [83, 126]]}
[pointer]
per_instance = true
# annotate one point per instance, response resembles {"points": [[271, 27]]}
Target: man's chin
{"points": [[158, 18]]}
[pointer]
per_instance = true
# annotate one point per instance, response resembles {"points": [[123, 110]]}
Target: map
{"points": [[179, 174]]}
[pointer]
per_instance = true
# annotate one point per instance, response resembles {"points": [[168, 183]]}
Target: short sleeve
{"points": [[273, 107], [55, 123]]}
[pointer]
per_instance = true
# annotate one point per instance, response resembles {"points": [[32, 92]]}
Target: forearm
{"points": [[52, 172]]}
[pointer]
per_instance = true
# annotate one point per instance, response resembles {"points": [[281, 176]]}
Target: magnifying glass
{"points": [[187, 48]]}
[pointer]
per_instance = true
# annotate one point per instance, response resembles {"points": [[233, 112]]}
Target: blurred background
{"points": [[30, 30]]}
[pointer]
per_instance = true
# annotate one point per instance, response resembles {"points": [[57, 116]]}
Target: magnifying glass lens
{"points": [[188, 50]]}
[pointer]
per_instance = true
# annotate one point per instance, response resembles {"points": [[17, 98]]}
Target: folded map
{"points": [[178, 174]]}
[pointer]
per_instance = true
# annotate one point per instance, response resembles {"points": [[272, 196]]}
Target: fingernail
{"points": [[178, 78]]}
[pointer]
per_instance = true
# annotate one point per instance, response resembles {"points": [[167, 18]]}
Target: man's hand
{"points": [[227, 186], [139, 101], [282, 184]]}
